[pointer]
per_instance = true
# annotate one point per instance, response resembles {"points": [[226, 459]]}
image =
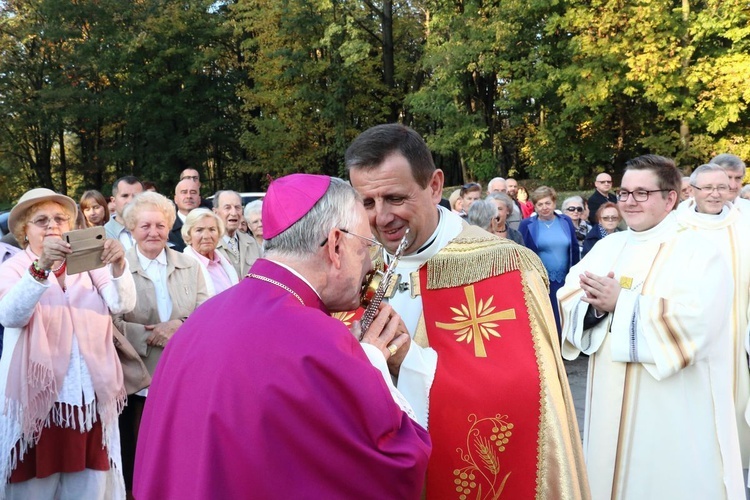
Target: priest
{"points": [[650, 306], [263, 394], [483, 368], [711, 213]]}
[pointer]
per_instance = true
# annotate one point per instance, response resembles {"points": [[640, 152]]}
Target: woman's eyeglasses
{"points": [[43, 221], [575, 209], [610, 218]]}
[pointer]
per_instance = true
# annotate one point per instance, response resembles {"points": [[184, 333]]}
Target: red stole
{"points": [[485, 401]]}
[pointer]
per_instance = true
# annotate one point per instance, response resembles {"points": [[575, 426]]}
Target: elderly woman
{"points": [[61, 383], [574, 208], [255, 221], [504, 205], [552, 237], [201, 232], [483, 213], [94, 208], [608, 217], [169, 285]]}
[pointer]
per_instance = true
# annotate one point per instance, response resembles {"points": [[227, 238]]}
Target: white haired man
{"points": [[716, 220]]}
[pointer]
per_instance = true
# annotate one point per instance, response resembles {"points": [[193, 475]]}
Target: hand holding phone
{"points": [[87, 246]]}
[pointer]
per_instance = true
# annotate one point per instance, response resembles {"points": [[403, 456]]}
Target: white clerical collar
{"points": [[660, 231], [448, 227], [712, 217], [146, 262], [297, 275]]}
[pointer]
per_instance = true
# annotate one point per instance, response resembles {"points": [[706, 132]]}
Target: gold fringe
{"points": [[476, 255]]}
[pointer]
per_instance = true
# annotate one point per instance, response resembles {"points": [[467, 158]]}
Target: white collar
{"points": [[146, 262]]}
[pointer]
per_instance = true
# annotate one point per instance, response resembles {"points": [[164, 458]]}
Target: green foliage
{"points": [[549, 90]]}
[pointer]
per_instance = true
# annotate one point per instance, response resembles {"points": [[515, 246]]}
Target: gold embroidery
{"points": [[344, 317], [482, 472], [476, 322], [626, 282]]}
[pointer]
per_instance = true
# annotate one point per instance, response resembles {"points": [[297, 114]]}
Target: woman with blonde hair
{"points": [[202, 231], [169, 284], [552, 236]]}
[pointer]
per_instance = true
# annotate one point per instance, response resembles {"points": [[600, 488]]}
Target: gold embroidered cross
{"points": [[476, 322]]}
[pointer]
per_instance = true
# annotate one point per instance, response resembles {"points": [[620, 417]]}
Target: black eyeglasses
{"points": [[371, 242], [574, 209], [638, 194]]}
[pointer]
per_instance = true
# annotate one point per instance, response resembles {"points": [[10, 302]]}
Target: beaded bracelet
{"points": [[38, 273]]}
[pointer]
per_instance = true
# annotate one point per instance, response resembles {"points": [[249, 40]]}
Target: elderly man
{"points": [[496, 185], [123, 191], [660, 419], [263, 394], [241, 249], [735, 169], [484, 363], [603, 184], [718, 221], [187, 196]]}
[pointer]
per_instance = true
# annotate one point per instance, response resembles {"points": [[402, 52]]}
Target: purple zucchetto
{"points": [[288, 199]]}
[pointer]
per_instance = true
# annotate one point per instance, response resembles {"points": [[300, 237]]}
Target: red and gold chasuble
{"points": [[501, 416], [484, 420]]}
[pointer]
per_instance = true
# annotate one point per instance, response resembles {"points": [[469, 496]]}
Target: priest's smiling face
{"points": [[643, 215], [712, 190], [394, 201]]}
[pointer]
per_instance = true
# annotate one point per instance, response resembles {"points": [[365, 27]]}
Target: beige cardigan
{"points": [[187, 289]]}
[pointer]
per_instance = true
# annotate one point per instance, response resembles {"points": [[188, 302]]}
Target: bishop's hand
{"points": [[388, 333]]}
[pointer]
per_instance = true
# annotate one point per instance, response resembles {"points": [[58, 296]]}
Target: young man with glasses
{"points": [[711, 215], [650, 306], [603, 185]]}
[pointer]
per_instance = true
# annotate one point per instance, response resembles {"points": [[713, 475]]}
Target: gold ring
{"points": [[392, 349]]}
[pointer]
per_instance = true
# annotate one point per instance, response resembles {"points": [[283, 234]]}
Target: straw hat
{"points": [[36, 196]]}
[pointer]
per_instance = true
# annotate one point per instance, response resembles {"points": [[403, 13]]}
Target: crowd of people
{"points": [[261, 383]]}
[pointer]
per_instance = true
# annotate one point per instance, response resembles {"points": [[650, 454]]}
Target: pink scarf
{"points": [[41, 357]]}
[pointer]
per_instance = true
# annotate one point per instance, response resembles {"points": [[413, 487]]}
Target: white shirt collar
{"points": [[146, 262]]}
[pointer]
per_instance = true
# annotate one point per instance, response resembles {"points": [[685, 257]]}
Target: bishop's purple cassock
{"points": [[261, 394]]}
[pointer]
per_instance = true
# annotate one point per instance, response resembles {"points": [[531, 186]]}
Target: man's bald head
{"points": [[603, 183]]}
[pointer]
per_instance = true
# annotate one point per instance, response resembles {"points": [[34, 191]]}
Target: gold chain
{"points": [[274, 282]]}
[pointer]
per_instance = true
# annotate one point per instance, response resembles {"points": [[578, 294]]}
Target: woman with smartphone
{"points": [[61, 383]]}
